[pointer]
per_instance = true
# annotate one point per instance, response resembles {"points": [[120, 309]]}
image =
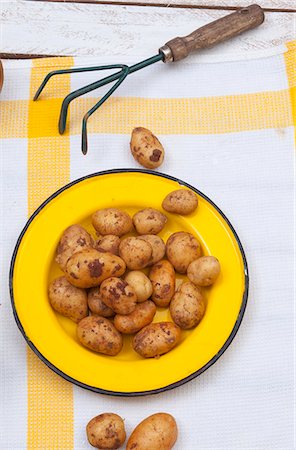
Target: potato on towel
{"points": [[146, 148], [106, 431], [156, 432]]}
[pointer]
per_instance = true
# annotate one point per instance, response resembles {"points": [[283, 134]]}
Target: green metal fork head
{"points": [[118, 77]]}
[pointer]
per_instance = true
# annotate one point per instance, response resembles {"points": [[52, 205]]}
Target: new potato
{"points": [[149, 221], [88, 268], [106, 431], [112, 221], [157, 432], [156, 339], [68, 300], [204, 271], [118, 295], [187, 307], [140, 283], [74, 239], [139, 318], [135, 252], [96, 304], [157, 244], [109, 243], [99, 334], [181, 201], [163, 279], [181, 249], [146, 148]]}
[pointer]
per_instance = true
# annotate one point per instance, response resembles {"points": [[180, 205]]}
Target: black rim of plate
{"points": [[147, 392]]}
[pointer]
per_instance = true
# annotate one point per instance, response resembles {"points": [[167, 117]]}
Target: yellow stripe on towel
{"points": [[290, 60], [50, 398], [208, 115]]}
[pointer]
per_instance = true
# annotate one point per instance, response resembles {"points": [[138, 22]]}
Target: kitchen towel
{"points": [[227, 128]]}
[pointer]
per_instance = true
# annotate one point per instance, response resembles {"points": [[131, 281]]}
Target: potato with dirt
{"points": [[96, 304], [99, 334], [204, 271], [135, 252], [146, 148], [181, 249], [181, 201], [188, 306], [74, 239], [157, 244], [68, 300], [138, 319], [156, 339], [111, 221], [149, 221], [157, 432], [88, 268], [163, 278], [140, 283], [109, 243], [106, 431], [118, 295]]}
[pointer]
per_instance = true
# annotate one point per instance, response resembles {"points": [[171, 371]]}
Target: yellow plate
{"points": [[53, 337]]}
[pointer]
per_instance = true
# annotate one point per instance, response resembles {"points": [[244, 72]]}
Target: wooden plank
{"points": [[268, 5], [89, 30]]}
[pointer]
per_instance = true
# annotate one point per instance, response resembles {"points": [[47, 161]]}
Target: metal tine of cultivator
{"points": [[125, 72], [88, 88], [65, 71]]}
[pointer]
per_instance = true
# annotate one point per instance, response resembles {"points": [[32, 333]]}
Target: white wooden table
{"points": [[128, 29], [113, 27]]}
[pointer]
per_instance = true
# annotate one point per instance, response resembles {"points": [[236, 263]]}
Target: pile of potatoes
{"points": [[104, 277], [157, 432]]}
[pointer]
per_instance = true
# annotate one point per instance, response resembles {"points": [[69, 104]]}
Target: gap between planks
{"points": [[164, 5], [27, 56]]}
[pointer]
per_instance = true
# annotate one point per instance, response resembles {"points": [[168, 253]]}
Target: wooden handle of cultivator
{"points": [[215, 32]]}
